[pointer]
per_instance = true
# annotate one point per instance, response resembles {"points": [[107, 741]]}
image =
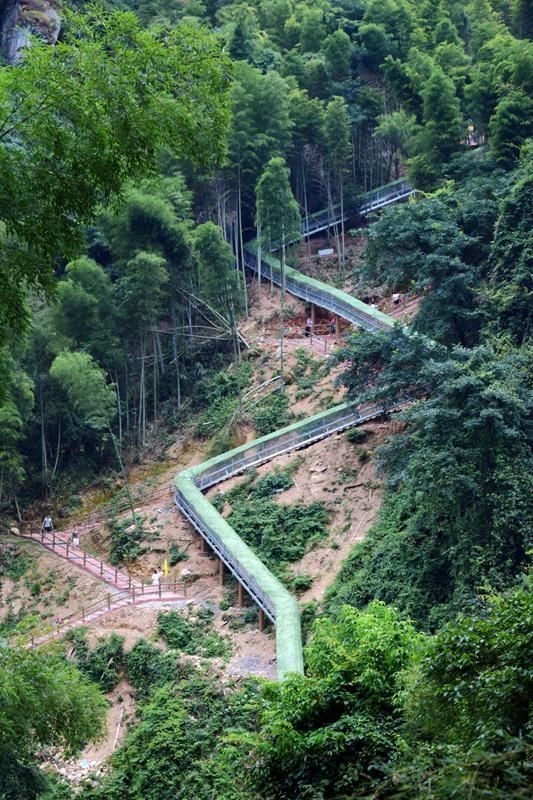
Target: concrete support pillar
{"points": [[240, 596], [261, 619], [313, 318], [205, 546], [221, 572]]}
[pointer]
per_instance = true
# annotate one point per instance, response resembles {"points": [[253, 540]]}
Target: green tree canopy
{"points": [[218, 280], [43, 702], [80, 118], [91, 397], [458, 515]]}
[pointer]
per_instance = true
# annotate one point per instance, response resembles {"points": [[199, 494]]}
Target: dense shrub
{"points": [[147, 667], [104, 663], [271, 413], [193, 635]]}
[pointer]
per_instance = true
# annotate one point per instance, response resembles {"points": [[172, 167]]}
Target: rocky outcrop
{"points": [[19, 19]]}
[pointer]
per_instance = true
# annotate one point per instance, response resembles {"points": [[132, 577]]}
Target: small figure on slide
{"points": [[308, 326]]}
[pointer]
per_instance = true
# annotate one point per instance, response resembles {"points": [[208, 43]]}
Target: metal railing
{"points": [[265, 590], [315, 223], [290, 438], [94, 565], [385, 195], [209, 533], [320, 294], [262, 587], [109, 603], [377, 198]]}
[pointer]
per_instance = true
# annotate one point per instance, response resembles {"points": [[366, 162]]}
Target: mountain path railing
{"points": [[125, 590]]}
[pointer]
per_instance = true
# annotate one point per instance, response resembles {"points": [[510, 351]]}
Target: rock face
{"points": [[19, 19]]}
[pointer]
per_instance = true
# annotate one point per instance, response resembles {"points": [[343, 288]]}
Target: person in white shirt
{"points": [[47, 525]]}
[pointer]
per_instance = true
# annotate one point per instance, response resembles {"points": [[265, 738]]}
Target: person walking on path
{"points": [[155, 577], [75, 537], [333, 326], [308, 326], [47, 525]]}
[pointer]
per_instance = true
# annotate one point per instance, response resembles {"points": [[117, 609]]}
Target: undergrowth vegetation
{"points": [[271, 413], [382, 709], [279, 533], [104, 663], [193, 634], [127, 538]]}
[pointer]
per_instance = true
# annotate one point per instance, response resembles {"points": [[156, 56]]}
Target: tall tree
{"points": [[15, 412], [218, 281], [141, 289], [280, 222], [442, 131], [337, 49], [336, 133], [509, 127]]}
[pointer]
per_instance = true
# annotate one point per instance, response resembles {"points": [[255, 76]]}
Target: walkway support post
{"points": [[240, 596]]}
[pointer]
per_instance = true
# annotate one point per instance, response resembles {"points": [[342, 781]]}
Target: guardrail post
{"points": [[174, 587], [159, 587], [109, 602], [83, 614], [116, 576], [133, 592], [67, 548], [101, 567], [129, 582], [84, 558], [142, 587], [53, 540], [42, 535], [261, 620]]}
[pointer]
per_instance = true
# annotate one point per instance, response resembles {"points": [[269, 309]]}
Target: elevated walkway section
{"points": [[272, 598], [374, 200]]}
